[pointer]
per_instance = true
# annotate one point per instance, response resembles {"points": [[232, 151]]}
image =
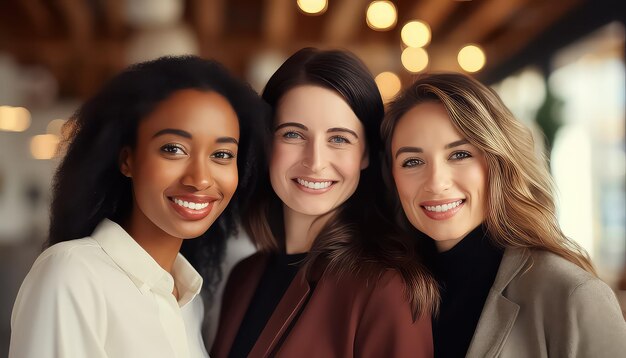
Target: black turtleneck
{"points": [[465, 274], [279, 272]]}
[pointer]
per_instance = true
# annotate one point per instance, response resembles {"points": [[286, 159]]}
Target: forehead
{"points": [[199, 111], [426, 123], [317, 108]]}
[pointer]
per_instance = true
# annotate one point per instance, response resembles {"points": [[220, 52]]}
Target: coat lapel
{"points": [[499, 313], [239, 305], [287, 309]]}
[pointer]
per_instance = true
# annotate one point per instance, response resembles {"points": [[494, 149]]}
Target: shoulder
{"points": [[244, 271], [62, 279], [369, 288], [557, 272], [251, 262], [69, 257], [554, 278], [69, 265]]}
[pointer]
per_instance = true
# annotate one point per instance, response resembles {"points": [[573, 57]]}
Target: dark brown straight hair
{"points": [[359, 238]]}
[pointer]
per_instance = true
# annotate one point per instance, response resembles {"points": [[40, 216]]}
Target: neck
{"points": [[163, 248], [301, 229]]}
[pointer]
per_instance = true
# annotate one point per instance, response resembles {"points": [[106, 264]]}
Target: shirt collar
{"points": [[142, 269]]}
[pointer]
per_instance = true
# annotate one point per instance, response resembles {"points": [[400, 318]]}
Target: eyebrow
{"points": [[227, 140], [178, 132], [345, 130], [302, 126], [291, 124], [420, 150], [185, 134], [456, 144]]}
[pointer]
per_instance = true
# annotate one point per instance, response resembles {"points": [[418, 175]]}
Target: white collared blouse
{"points": [[105, 296]]}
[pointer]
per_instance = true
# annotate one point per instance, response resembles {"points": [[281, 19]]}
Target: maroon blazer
{"points": [[347, 316]]}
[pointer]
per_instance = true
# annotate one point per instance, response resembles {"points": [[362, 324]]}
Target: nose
{"points": [[198, 175], [439, 178], [315, 158]]}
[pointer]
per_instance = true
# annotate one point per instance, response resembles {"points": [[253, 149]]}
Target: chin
{"points": [[311, 210]]}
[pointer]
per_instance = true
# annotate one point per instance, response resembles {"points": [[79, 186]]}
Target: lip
{"points": [[441, 215], [192, 214], [314, 180]]}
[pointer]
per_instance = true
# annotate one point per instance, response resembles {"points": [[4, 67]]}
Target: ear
{"points": [[126, 162], [365, 161]]}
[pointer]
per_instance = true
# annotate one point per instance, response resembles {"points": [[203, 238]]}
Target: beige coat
{"points": [[542, 305]]}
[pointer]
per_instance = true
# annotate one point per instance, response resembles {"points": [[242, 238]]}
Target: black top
{"points": [[465, 274], [280, 271]]}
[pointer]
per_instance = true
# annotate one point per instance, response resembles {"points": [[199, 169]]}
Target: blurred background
{"points": [[558, 65]]}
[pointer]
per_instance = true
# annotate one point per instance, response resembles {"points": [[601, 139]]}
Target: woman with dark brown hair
{"points": [[332, 278]]}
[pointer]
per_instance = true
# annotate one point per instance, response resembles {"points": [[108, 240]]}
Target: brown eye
{"points": [[460, 155], [173, 149], [223, 155]]}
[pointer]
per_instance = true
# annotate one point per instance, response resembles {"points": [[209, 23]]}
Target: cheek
{"points": [[406, 184], [282, 158], [349, 164], [152, 173], [228, 178], [405, 188]]}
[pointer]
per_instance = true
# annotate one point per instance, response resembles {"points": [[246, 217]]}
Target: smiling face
{"points": [[183, 166], [318, 150], [441, 178]]}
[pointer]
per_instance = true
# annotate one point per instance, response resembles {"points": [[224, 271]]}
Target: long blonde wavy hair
{"points": [[521, 211]]}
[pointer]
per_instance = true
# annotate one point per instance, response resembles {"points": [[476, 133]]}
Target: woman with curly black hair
{"points": [[153, 159]]}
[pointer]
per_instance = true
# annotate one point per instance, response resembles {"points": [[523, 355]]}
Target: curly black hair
{"points": [[88, 185]]}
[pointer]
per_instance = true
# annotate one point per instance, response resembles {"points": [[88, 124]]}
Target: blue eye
{"points": [[223, 155], [412, 162], [173, 149], [292, 135], [337, 139], [460, 155]]}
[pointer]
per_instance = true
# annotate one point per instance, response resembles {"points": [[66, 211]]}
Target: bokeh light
{"points": [[471, 58], [414, 59], [313, 7], [415, 34], [381, 15], [388, 84]]}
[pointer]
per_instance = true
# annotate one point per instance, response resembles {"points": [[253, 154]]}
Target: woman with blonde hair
{"points": [[468, 179]]}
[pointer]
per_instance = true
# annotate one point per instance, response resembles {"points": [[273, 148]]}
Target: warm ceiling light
{"points": [[414, 59], [55, 126], [415, 34], [381, 15], [471, 58], [313, 7], [14, 119], [388, 84], [44, 146]]}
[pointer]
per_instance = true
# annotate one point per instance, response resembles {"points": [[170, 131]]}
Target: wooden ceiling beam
{"points": [[433, 12], [114, 17], [279, 17], [344, 22], [208, 17], [38, 16], [534, 21], [488, 17]]}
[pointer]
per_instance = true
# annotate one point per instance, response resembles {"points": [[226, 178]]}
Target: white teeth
{"points": [[314, 185], [191, 205], [444, 207]]}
